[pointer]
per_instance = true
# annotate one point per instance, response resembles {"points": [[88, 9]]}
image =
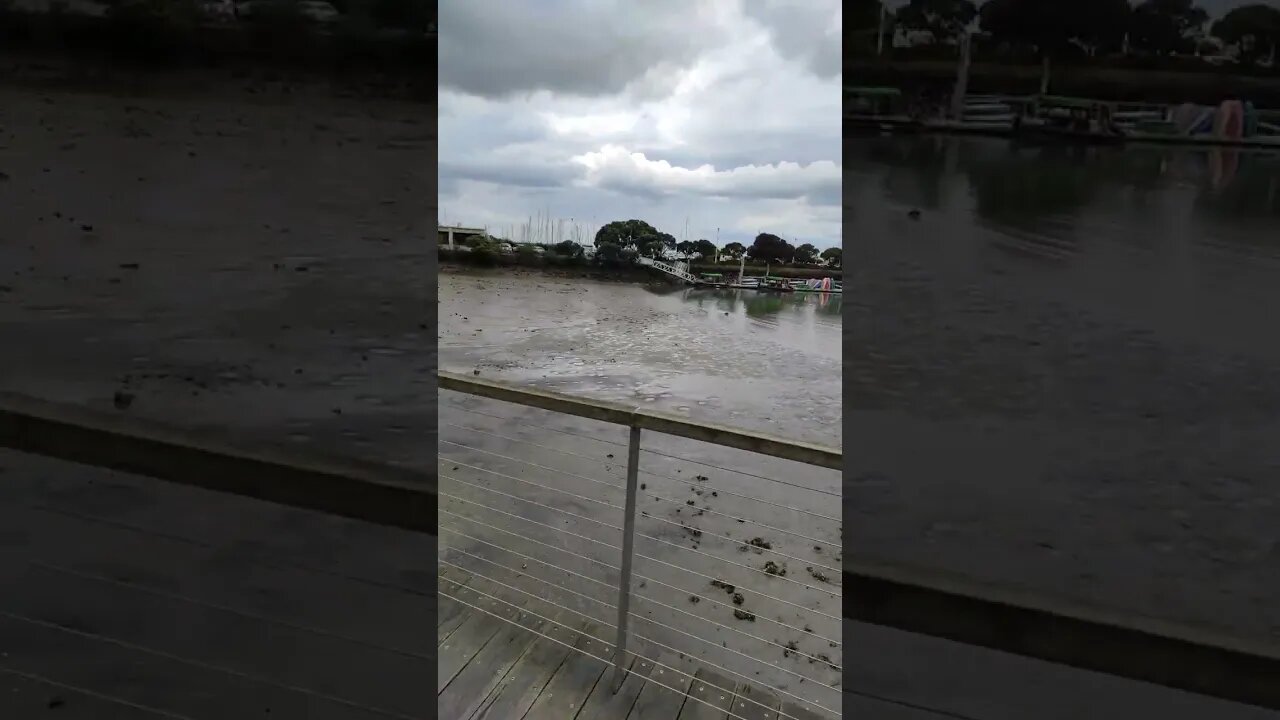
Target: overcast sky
{"points": [[724, 113], [1215, 8]]}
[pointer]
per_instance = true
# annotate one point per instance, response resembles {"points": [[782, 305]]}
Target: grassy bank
{"points": [[1208, 85]]}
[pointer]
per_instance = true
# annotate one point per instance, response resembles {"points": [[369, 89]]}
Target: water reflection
{"points": [[1057, 191], [1120, 370], [762, 305]]}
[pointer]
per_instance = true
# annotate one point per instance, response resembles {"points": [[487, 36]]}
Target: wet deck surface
{"points": [[124, 597], [504, 659]]}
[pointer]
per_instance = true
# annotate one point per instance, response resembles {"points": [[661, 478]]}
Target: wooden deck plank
{"points": [[27, 697], [573, 682], [476, 631], [366, 675], [448, 610], [714, 695], [464, 695], [155, 681], [526, 680], [219, 577], [239, 530], [465, 593], [755, 702], [799, 712], [604, 704], [663, 699], [860, 706]]}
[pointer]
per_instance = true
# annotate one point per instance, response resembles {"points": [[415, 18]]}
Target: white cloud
{"points": [[734, 124], [616, 168]]}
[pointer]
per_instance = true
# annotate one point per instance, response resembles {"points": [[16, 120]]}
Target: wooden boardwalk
{"points": [[126, 598], [524, 667]]}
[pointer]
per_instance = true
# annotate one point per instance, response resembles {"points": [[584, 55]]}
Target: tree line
{"points": [[615, 239], [1055, 28], [618, 243], [388, 34]]}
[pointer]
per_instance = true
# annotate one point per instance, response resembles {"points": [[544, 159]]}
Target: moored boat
{"points": [[1067, 120]]}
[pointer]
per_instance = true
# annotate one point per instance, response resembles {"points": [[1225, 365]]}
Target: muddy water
{"points": [[525, 479], [1068, 360], [764, 362], [248, 264]]}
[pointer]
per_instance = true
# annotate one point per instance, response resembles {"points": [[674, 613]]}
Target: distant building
{"points": [[449, 235]]}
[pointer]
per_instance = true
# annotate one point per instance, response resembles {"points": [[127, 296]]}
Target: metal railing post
{"points": [[628, 543]]}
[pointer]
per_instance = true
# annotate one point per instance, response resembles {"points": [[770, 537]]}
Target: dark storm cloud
{"points": [[498, 48]]}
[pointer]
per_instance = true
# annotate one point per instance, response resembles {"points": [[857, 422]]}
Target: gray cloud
{"points": [[806, 32], [677, 112], [498, 48], [529, 175]]}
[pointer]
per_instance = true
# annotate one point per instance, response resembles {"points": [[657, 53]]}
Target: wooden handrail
{"points": [[383, 494]]}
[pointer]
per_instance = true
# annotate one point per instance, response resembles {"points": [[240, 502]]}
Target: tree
{"points": [[833, 256], [1254, 29], [862, 26], [635, 234], [1055, 27], [1162, 27], [685, 247], [625, 233], [608, 253], [568, 248], [945, 20], [704, 248], [734, 250], [771, 248], [807, 254]]}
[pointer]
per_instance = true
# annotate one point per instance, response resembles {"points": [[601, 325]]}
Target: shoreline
{"points": [[242, 79], [637, 274]]}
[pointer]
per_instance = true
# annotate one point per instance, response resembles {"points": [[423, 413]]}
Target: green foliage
{"points": [[625, 233], [568, 248], [1254, 28], [833, 256], [610, 255], [771, 248], [705, 249], [733, 250], [1052, 27], [944, 19], [1162, 27], [806, 253], [685, 247], [528, 256], [638, 234]]}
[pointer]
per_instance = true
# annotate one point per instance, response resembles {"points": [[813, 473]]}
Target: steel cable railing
{"points": [[729, 713], [707, 487], [497, 493], [494, 600], [610, 606]]}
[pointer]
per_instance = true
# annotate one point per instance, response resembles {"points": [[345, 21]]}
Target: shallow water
{"points": [[740, 358], [1071, 371]]}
